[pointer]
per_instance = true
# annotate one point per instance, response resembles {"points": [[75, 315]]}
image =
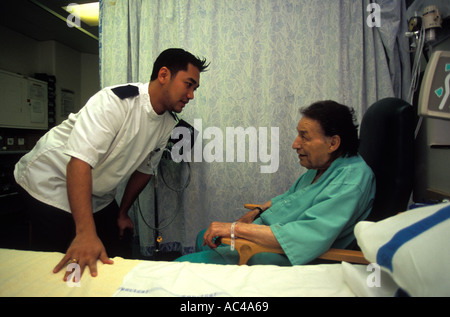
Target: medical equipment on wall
{"points": [[423, 32], [183, 138], [172, 174], [430, 93], [431, 21], [165, 177], [434, 98], [417, 33]]}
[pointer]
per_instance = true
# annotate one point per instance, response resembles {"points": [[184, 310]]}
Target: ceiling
{"points": [[33, 19]]}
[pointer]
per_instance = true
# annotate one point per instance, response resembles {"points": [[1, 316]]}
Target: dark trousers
{"points": [[53, 229]]}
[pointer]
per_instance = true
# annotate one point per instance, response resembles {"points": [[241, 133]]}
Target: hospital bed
{"points": [[408, 254], [27, 273]]}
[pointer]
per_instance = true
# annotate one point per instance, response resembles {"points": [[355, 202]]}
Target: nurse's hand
{"points": [[124, 222], [84, 250]]}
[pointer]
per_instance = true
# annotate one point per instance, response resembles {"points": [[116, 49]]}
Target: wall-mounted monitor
{"points": [[434, 97]]}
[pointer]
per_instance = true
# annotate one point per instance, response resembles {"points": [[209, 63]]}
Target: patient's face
{"points": [[312, 146]]}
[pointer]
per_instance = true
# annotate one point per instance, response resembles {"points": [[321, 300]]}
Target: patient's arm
{"points": [[250, 216], [260, 234]]}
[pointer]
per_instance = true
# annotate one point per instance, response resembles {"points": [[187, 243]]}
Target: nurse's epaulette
{"points": [[126, 91]]}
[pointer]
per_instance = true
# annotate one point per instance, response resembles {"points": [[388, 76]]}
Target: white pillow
{"points": [[414, 247]]}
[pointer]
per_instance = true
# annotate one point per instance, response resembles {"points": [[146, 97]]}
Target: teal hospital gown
{"points": [[310, 218]]}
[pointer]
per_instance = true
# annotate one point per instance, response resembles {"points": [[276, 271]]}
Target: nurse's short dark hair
{"points": [[336, 119], [176, 59]]}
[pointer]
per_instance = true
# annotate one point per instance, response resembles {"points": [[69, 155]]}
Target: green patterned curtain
{"points": [[268, 58]]}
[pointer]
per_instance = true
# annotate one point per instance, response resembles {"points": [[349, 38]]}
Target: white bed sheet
{"points": [[29, 274], [211, 280]]}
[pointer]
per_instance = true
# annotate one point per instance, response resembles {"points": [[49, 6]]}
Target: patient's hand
{"points": [[216, 229], [249, 217], [86, 249]]}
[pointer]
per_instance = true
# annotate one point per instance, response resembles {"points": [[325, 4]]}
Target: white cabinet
{"points": [[23, 102]]}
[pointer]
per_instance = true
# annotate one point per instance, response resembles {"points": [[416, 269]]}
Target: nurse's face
{"points": [[180, 88], [313, 147]]}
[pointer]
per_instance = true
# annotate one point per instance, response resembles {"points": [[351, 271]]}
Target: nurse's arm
{"points": [[86, 247], [135, 185]]}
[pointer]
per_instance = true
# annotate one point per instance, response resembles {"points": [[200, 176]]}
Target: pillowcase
{"points": [[413, 247]]}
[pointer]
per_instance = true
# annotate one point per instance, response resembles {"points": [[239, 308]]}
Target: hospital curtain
{"points": [[268, 59]]}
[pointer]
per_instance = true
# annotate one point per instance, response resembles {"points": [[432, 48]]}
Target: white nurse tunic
{"points": [[117, 132]]}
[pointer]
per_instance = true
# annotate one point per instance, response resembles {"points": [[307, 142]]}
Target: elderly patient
{"points": [[321, 208]]}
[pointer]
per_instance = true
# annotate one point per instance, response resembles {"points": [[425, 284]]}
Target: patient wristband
{"points": [[233, 236]]}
